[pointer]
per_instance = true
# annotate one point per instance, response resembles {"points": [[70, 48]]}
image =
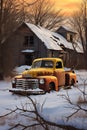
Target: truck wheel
{"points": [[51, 86], [67, 78]]}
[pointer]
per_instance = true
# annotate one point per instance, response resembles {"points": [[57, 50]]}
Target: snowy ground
{"points": [[55, 107]]}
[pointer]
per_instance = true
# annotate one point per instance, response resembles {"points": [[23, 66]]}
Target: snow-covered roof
{"points": [[49, 41], [63, 41], [78, 47], [53, 40]]}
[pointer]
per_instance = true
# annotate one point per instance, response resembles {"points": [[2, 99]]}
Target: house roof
{"points": [[78, 47], [68, 29], [49, 41], [53, 40], [62, 41]]}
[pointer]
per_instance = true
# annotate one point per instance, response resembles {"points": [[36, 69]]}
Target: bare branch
{"points": [[12, 111], [44, 15], [37, 119]]}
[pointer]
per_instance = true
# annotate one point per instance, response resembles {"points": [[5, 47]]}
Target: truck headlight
{"points": [[42, 81], [13, 81]]}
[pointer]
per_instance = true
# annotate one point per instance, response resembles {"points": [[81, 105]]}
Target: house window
{"points": [[31, 40], [28, 40]]}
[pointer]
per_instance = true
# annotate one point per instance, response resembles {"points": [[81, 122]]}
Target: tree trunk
{"points": [[1, 22], [86, 45]]}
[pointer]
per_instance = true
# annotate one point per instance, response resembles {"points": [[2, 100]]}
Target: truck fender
{"points": [[51, 82], [70, 78]]}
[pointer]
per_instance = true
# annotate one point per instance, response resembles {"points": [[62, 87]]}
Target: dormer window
{"points": [[69, 37]]}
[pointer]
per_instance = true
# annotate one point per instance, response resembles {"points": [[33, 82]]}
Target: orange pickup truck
{"points": [[46, 74]]}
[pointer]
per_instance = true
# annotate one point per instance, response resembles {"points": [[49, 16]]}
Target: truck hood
{"points": [[37, 72]]}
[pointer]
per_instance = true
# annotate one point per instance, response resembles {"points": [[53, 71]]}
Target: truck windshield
{"points": [[43, 64]]}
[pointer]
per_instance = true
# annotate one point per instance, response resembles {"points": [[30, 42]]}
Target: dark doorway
{"points": [[28, 59]]}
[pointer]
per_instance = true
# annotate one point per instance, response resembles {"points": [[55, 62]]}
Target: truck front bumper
{"points": [[27, 92], [29, 86]]}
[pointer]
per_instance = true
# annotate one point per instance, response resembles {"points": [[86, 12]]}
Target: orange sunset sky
{"points": [[67, 6]]}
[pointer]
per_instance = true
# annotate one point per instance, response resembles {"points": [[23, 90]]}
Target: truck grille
{"points": [[27, 83]]}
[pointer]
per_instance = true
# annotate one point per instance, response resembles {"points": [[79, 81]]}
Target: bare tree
{"points": [[79, 106], [79, 23], [11, 16], [24, 6], [1, 16], [1, 19], [32, 110], [43, 13], [9, 19]]}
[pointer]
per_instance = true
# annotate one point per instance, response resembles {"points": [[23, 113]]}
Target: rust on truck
{"points": [[46, 74]]}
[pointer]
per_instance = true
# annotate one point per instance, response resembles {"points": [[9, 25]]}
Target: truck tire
{"points": [[51, 86], [67, 78]]}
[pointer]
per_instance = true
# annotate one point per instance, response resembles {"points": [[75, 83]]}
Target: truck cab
{"points": [[46, 74]]}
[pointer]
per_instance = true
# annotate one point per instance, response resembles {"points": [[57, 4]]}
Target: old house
{"points": [[29, 42]]}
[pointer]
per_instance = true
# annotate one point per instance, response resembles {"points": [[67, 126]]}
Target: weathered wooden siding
{"points": [[11, 49]]}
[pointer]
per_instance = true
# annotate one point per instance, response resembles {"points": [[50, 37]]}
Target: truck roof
{"points": [[49, 58]]}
